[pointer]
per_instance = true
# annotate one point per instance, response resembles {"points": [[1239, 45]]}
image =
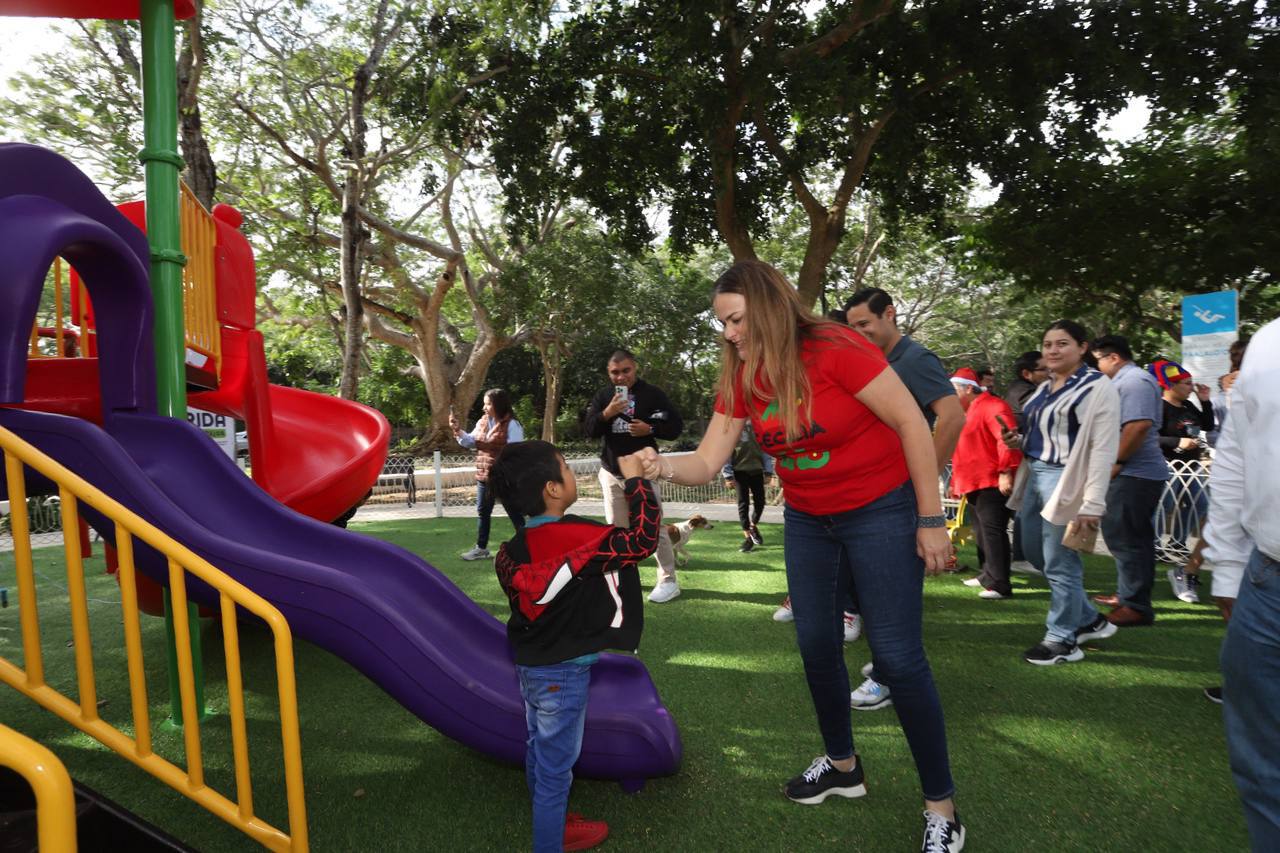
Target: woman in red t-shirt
{"points": [[863, 511]]}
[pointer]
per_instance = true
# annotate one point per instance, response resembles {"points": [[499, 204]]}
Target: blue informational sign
{"points": [[1209, 313], [1209, 327]]}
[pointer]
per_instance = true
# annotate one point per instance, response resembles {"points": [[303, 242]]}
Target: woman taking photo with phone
{"points": [[863, 511], [496, 429], [1071, 439]]}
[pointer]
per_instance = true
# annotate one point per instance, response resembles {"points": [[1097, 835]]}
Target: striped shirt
{"points": [[1053, 417]]}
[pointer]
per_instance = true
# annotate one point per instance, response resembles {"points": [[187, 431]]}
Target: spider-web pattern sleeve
{"points": [[641, 539]]}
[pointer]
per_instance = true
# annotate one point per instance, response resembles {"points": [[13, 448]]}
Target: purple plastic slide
{"points": [[385, 611]]}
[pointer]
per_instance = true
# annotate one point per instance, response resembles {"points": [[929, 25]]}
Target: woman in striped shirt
{"points": [[1072, 435]]}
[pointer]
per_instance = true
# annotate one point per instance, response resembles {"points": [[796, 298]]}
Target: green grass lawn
{"points": [[1118, 752]]}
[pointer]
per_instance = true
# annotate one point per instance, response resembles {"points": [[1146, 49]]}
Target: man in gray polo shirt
{"points": [[872, 314], [1137, 482]]}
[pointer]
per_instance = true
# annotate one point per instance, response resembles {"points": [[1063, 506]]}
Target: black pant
{"points": [[991, 532], [750, 484], [1129, 531]]}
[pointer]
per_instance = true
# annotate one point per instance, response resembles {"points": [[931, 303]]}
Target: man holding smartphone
{"points": [[629, 415]]}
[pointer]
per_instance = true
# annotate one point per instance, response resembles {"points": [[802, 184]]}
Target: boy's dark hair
{"points": [[622, 354], [1113, 345], [520, 473], [1027, 361], [838, 316], [876, 300]]}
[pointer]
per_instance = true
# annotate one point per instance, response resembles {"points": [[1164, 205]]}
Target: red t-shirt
{"points": [[846, 457]]}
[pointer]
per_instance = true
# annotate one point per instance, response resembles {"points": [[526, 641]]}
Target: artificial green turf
{"points": [[1118, 752]]}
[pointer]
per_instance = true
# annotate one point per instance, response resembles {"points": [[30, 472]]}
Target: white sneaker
{"points": [[1181, 588], [1024, 567], [973, 582], [852, 626], [477, 553], [991, 594], [783, 613], [870, 696], [664, 592]]}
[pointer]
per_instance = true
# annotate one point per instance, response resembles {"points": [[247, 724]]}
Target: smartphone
{"points": [[621, 391], [1004, 426]]}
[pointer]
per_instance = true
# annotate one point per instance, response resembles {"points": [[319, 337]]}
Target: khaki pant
{"points": [[617, 512]]}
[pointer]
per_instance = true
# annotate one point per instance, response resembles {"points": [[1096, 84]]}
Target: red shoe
{"points": [[580, 834]]}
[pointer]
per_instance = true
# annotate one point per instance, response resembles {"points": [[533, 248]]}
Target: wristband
{"points": [[931, 521]]}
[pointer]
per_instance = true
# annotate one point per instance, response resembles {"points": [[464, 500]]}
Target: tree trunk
{"points": [[353, 320], [553, 352], [824, 239], [456, 397], [201, 174]]}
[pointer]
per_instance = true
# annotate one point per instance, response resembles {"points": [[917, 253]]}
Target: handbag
{"points": [[1080, 538]]}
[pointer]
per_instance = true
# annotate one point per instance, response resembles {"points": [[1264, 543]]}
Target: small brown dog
{"points": [[681, 533]]}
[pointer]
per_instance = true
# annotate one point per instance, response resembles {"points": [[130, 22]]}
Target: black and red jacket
{"points": [[573, 584]]}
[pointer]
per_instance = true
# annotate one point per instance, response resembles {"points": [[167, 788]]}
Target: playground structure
{"points": [[102, 425]]}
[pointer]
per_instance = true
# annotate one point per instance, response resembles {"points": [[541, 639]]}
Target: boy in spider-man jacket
{"points": [[575, 590]]}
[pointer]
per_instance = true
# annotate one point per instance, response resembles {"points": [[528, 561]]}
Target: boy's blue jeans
{"points": [[1251, 699], [871, 549], [555, 707]]}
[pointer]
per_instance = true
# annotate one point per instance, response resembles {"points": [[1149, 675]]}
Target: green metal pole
{"points": [[161, 164]]}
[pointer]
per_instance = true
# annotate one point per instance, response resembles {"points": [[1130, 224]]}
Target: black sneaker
{"points": [[1048, 653], [1214, 694], [1099, 629], [755, 535], [746, 545], [942, 835], [823, 780]]}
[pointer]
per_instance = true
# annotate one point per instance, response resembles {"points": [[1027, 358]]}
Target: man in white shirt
{"points": [[1244, 547]]}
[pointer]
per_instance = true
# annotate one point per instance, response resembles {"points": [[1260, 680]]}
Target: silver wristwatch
{"points": [[931, 521]]}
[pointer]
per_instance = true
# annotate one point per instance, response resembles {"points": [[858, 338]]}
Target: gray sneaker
{"points": [[477, 553], [871, 695]]}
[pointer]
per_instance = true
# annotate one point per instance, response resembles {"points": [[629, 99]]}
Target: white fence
{"points": [[418, 487]]}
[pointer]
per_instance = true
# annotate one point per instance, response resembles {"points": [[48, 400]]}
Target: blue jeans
{"points": [[1130, 532], [484, 510], [1251, 699], [555, 709], [872, 548], [1069, 607]]}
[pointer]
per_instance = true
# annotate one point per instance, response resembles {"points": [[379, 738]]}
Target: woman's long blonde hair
{"points": [[777, 324]]}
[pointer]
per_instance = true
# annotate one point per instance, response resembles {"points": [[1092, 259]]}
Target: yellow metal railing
{"points": [[55, 798], [59, 321], [30, 679], [199, 289]]}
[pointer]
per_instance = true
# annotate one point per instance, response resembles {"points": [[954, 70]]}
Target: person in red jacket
{"points": [[982, 470]]}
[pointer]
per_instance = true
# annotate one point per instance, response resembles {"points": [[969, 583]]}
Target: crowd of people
{"points": [[858, 421]]}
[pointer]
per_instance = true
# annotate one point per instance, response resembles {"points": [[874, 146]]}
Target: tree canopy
{"points": [[727, 112]]}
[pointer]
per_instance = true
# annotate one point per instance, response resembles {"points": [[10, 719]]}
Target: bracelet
{"points": [[666, 470], [931, 521]]}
